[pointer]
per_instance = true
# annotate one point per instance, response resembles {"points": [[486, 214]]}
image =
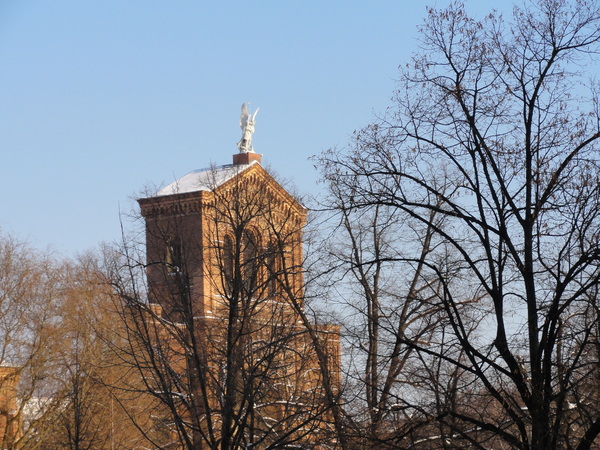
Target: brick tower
{"points": [[225, 281]]}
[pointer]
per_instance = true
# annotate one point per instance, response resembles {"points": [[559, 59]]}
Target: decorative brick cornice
{"points": [[172, 205]]}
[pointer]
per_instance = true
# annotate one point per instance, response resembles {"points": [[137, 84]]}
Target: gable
{"points": [[255, 176]]}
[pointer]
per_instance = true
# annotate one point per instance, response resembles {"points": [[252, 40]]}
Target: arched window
{"points": [[273, 269], [228, 261], [173, 256], [250, 262]]}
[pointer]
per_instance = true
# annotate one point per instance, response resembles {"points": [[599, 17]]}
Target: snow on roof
{"points": [[203, 179]]}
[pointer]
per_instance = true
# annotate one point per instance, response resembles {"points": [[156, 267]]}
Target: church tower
{"points": [[201, 226], [225, 285]]}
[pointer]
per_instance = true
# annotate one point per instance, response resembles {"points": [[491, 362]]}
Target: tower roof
{"points": [[204, 179]]}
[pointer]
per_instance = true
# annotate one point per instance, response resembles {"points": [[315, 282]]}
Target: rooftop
{"points": [[204, 179]]}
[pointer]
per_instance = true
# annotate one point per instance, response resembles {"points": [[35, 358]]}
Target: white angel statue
{"points": [[247, 125]]}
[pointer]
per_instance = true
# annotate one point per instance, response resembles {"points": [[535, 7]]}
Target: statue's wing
{"points": [[244, 116], [254, 115]]}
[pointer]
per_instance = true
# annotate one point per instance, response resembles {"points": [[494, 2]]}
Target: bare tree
{"points": [[55, 318], [89, 412], [375, 261], [30, 289], [499, 112]]}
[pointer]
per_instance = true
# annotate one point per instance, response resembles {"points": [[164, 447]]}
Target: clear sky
{"points": [[101, 98]]}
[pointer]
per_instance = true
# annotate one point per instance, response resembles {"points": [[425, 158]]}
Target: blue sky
{"points": [[99, 99]]}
